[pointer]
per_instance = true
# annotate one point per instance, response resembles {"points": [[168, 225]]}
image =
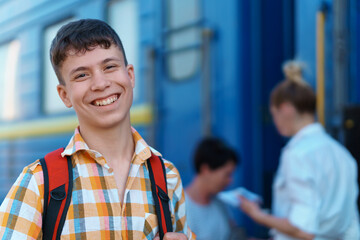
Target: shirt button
{"points": [[110, 170]]}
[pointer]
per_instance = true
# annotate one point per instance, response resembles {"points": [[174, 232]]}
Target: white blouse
{"points": [[316, 188]]}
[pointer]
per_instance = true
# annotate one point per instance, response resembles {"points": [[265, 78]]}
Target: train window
{"points": [[182, 12], [51, 101], [9, 56], [126, 26], [183, 38]]}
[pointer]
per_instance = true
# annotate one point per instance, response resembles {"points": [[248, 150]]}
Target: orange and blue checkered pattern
{"points": [[95, 211]]}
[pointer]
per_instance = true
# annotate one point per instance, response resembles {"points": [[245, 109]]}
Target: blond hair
{"points": [[293, 71], [294, 90]]}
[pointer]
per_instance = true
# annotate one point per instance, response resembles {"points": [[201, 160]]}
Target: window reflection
{"points": [[9, 56], [51, 101], [183, 38]]}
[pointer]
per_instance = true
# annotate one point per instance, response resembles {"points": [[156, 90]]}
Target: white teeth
{"points": [[106, 101]]}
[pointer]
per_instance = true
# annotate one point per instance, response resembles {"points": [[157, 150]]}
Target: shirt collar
{"points": [[307, 130], [142, 150], [77, 143]]}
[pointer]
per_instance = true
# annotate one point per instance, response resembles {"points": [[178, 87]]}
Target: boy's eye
{"points": [[109, 67], [80, 76]]}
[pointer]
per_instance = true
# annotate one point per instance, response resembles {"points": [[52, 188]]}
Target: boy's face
{"points": [[218, 179], [98, 86]]}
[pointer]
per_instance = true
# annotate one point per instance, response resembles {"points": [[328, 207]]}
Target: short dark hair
{"points": [[214, 153], [82, 35]]}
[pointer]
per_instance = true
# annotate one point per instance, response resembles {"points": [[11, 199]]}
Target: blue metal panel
{"points": [[29, 74], [273, 55], [146, 43], [357, 61], [265, 52], [306, 48], [329, 63], [355, 55], [306, 36], [178, 126], [255, 86], [226, 70], [37, 13], [92, 9], [6, 182], [16, 154], [248, 37]]}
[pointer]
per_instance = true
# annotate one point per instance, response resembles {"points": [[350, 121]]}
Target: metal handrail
{"points": [[320, 65]]}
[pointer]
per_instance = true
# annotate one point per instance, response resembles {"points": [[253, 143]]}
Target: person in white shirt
{"points": [[315, 188]]}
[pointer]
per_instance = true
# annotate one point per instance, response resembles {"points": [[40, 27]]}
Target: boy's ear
{"points": [[204, 169], [131, 73], [64, 95]]}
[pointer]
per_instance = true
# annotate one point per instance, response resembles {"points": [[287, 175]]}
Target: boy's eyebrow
{"points": [[78, 69], [110, 59]]}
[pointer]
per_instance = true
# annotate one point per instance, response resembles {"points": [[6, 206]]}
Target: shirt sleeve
{"points": [[177, 198], [20, 212], [305, 200]]}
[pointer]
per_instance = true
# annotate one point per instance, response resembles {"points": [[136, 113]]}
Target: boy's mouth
{"points": [[105, 101]]}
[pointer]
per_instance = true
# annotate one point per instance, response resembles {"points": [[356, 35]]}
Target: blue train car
{"points": [[186, 76], [202, 68]]}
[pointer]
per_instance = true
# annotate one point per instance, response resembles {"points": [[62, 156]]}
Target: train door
{"points": [[271, 42], [351, 111], [179, 83]]}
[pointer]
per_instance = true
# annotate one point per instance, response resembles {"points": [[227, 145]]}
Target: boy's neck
{"points": [[198, 192], [115, 144]]}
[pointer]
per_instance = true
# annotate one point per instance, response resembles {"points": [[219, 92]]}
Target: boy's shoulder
{"points": [[34, 167], [170, 168], [34, 170]]}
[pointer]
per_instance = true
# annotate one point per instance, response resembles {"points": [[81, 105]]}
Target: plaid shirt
{"points": [[95, 210]]}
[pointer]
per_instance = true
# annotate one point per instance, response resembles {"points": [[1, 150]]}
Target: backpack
{"points": [[58, 184]]}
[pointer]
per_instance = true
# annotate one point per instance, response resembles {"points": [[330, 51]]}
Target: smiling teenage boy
{"points": [[111, 196]]}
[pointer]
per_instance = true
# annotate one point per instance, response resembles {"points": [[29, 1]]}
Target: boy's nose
{"points": [[99, 82]]}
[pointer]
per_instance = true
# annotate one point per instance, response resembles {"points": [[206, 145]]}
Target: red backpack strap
{"points": [[160, 194], [58, 182]]}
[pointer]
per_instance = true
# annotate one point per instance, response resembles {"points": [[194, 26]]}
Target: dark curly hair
{"points": [[82, 35]]}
